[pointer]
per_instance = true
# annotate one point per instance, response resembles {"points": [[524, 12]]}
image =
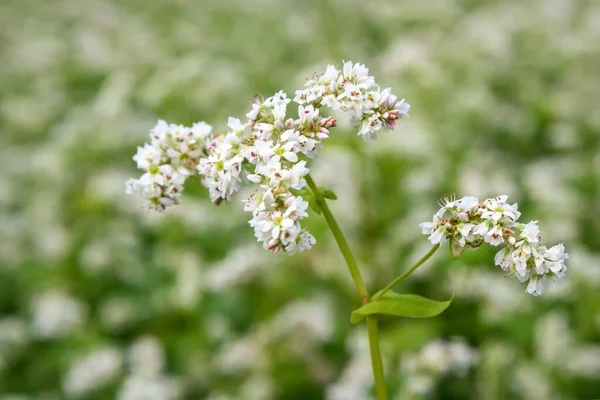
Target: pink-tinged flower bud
{"points": [[327, 122], [322, 135], [279, 125], [391, 101], [385, 94], [289, 201], [310, 134], [463, 216]]}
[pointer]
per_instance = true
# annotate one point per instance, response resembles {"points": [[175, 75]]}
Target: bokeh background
{"points": [[100, 299]]}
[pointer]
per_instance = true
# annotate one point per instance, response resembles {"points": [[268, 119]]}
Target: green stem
{"points": [[380, 387], [376, 362], [412, 269]]}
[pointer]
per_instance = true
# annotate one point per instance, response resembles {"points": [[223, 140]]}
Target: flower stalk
{"points": [[372, 329], [405, 274]]}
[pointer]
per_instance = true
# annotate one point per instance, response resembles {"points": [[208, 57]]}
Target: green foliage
{"points": [[401, 305]]}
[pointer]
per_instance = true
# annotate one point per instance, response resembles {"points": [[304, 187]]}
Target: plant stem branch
{"points": [[380, 387], [406, 273], [376, 362]]}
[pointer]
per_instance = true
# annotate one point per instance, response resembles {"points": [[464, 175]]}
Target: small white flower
{"points": [[221, 170], [147, 156], [357, 74], [436, 230], [536, 285], [201, 130], [499, 211], [403, 108], [307, 114]]}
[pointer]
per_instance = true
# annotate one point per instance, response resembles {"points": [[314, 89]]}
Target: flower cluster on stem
{"points": [[353, 90], [468, 223], [270, 148], [168, 160]]}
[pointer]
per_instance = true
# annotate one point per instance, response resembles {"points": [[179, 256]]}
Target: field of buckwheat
{"points": [[101, 298]]}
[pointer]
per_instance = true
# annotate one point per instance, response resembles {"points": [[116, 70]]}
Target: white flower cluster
{"points": [[273, 150], [270, 149], [353, 90], [222, 168], [468, 223], [168, 160]]}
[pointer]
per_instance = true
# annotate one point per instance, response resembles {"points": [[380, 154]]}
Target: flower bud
{"points": [[288, 202], [391, 101], [254, 178]]}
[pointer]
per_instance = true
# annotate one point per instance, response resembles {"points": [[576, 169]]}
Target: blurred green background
{"points": [[100, 299]]}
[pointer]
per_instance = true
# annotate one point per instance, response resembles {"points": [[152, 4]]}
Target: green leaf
{"points": [[313, 205], [401, 305], [327, 193]]}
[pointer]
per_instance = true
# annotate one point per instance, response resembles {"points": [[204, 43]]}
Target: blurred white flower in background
{"points": [[146, 380], [439, 357], [189, 276], [554, 338], [117, 313], [56, 314], [92, 371], [146, 357], [242, 265], [531, 382], [241, 354], [257, 387], [355, 381], [306, 318], [584, 361], [142, 388]]}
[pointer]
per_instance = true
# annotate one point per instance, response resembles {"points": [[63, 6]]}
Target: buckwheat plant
{"points": [[271, 148]]}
